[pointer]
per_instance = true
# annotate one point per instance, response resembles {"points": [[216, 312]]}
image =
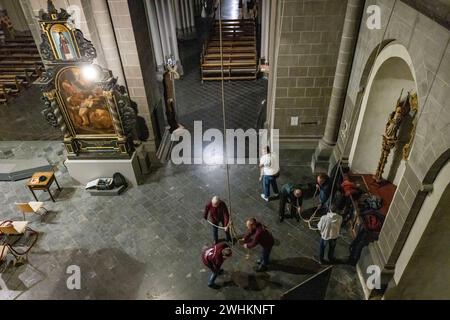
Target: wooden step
{"points": [[235, 22], [234, 43], [216, 56], [238, 62], [231, 50]]}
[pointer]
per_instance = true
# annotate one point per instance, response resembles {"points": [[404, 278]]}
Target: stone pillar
{"points": [[186, 15], [265, 20], [162, 28], [173, 32], [191, 11], [176, 4], [139, 90], [321, 158], [154, 30], [108, 39], [162, 21]]}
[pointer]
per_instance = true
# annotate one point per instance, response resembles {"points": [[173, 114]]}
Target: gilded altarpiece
{"points": [[80, 97]]}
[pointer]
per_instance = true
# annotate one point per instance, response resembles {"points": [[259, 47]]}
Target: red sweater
{"points": [[259, 236], [212, 257], [349, 188], [217, 215]]}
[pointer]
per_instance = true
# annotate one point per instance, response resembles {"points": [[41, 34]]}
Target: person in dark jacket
{"points": [[293, 195], [213, 258], [258, 234], [324, 186], [217, 212]]}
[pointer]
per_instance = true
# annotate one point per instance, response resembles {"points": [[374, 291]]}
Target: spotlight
{"points": [[90, 73]]}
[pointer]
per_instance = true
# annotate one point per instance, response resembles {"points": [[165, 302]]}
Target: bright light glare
{"points": [[90, 73]]}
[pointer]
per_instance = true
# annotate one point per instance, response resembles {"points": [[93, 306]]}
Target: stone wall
{"points": [[428, 45], [306, 63], [126, 42]]}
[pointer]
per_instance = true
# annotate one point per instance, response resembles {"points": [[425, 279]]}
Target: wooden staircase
{"points": [[240, 57]]}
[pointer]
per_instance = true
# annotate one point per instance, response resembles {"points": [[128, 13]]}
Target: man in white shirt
{"points": [[270, 171], [329, 227]]}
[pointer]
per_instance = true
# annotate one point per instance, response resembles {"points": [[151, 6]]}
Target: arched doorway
{"points": [[392, 72]]}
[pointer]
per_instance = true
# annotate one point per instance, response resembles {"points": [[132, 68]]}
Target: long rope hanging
{"points": [[230, 225]]}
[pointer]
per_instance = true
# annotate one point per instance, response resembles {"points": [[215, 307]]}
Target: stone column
{"points": [[191, 9], [154, 30], [265, 20], [176, 4], [107, 37], [321, 158], [185, 10], [172, 31], [161, 27]]}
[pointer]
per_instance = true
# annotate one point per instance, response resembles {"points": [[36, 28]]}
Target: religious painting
{"points": [[65, 48], [86, 106]]}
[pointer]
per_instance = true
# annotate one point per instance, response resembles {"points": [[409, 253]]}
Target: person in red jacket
{"points": [[259, 235], [213, 258], [217, 212]]}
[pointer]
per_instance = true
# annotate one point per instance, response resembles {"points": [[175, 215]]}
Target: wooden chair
{"points": [[15, 239], [32, 207]]}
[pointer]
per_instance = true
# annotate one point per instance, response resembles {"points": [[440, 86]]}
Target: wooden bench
{"points": [[31, 50], [215, 50], [226, 56], [15, 78], [12, 85], [3, 95], [230, 53]]}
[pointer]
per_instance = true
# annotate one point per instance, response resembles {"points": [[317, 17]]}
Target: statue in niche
{"points": [[390, 137]]}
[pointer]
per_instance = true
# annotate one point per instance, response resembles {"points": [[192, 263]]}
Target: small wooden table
{"points": [[35, 184]]}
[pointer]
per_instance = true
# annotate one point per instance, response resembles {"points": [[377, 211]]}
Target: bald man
{"points": [[216, 212], [258, 234]]}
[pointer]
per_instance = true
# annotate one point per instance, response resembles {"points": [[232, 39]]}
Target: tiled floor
{"points": [[146, 243]]}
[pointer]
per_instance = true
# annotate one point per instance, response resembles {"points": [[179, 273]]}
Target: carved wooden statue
{"points": [[390, 137], [170, 75]]}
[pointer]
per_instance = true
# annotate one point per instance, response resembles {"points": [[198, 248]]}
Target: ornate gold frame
{"points": [[67, 118], [47, 26]]}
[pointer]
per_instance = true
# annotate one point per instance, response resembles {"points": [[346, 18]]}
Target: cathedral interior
{"points": [[116, 118]]}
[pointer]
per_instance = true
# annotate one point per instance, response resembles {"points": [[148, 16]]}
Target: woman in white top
{"points": [[270, 171]]}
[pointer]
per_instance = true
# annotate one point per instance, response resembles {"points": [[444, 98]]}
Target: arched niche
{"points": [[391, 73]]}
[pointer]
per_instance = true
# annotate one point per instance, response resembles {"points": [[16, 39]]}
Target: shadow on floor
{"points": [[105, 274], [299, 266], [251, 281]]}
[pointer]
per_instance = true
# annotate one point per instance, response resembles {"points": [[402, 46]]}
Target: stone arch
{"points": [[362, 85], [435, 167]]}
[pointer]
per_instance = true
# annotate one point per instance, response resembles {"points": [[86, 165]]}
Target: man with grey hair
{"points": [[216, 212]]}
